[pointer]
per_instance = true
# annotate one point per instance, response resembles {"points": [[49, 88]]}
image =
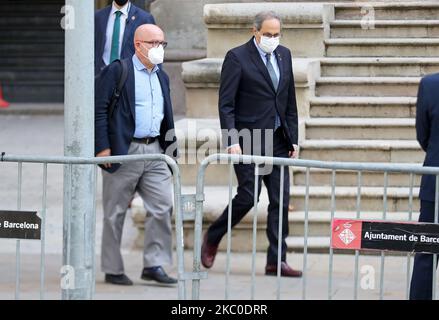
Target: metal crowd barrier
{"points": [[184, 211], [359, 168], [69, 162]]}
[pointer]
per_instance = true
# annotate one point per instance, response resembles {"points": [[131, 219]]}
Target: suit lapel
{"points": [[103, 24], [130, 88], [280, 63], [256, 58], [129, 24], [166, 97]]}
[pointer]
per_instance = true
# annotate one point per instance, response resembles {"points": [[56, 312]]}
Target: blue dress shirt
{"points": [[149, 100]]}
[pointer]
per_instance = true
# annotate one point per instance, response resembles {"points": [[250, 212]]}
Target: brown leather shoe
{"points": [[285, 271], [208, 253]]}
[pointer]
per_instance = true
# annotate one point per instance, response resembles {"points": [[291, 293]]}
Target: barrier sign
{"points": [[380, 235], [20, 225]]}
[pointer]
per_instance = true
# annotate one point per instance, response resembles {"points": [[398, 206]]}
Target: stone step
{"points": [[323, 177], [360, 128], [385, 29], [38, 6], [30, 35], [378, 67], [33, 109], [37, 21], [368, 86], [30, 49], [28, 61], [389, 47], [314, 244], [41, 91], [32, 75], [216, 199], [218, 175], [319, 222], [194, 133], [368, 107], [419, 10], [396, 151], [372, 199]]}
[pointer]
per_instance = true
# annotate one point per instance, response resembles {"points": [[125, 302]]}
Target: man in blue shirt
{"points": [[142, 123]]}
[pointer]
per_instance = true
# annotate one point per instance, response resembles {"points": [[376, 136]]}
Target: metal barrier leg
{"points": [[331, 251], [436, 205], [229, 234], [305, 242], [198, 229], [357, 253], [255, 224], [279, 236], [17, 248], [67, 229], [407, 292], [180, 235], [91, 229], [386, 183], [43, 234]]}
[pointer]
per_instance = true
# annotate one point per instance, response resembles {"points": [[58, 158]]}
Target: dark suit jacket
{"points": [[427, 130], [118, 132], [101, 19], [247, 98]]}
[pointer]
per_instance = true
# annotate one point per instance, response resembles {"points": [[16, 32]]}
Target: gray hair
{"points": [[265, 15]]}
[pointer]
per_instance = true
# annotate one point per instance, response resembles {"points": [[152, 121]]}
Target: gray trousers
{"points": [[153, 182]]}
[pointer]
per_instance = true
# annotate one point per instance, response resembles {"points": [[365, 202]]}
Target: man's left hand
{"points": [[294, 154]]}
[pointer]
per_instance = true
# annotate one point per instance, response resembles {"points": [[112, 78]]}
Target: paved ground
{"points": [[214, 286], [43, 135]]}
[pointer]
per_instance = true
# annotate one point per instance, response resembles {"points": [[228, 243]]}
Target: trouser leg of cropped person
{"points": [[422, 277], [153, 181]]}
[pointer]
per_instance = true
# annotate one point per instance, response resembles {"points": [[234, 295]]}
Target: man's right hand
{"points": [[235, 149], [105, 153]]}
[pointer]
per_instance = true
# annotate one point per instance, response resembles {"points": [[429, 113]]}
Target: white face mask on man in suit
{"points": [[269, 44]]}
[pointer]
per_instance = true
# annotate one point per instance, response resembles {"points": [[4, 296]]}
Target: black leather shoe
{"points": [[119, 279], [157, 274]]}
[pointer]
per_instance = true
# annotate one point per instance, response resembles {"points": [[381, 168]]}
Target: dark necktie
{"points": [[115, 39]]}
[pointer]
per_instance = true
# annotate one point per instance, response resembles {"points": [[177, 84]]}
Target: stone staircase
{"points": [[359, 108], [32, 50], [364, 106]]}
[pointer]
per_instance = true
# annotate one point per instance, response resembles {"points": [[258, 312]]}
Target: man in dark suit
{"points": [[114, 31], [257, 93], [427, 132], [141, 123]]}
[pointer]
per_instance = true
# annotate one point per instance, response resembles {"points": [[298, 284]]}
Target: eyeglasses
{"points": [[269, 35], [155, 44]]}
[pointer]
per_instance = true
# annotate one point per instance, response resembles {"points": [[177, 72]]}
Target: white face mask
{"points": [[156, 55], [268, 45]]}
